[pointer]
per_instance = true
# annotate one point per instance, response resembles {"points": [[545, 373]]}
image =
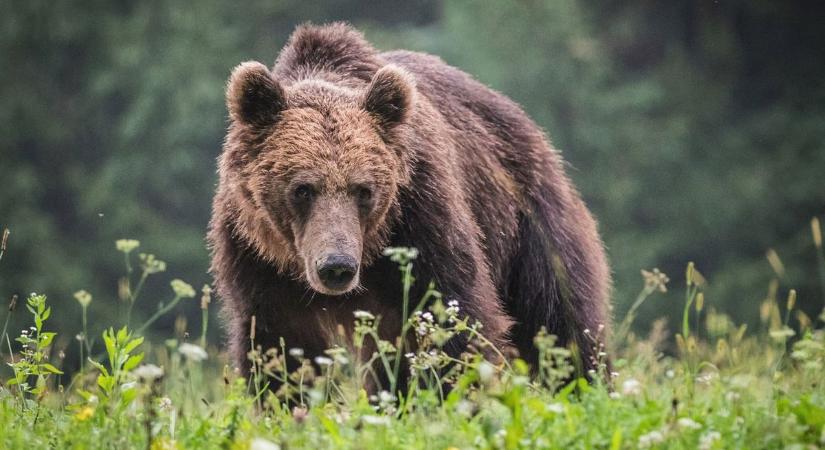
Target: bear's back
{"points": [[497, 150], [486, 122]]}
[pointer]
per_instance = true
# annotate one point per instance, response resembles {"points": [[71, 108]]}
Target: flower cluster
{"points": [[192, 352], [424, 361]]}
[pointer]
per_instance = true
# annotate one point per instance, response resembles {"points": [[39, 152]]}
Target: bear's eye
{"points": [[303, 192], [364, 194]]}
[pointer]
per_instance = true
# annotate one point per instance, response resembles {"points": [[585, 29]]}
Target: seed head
{"points": [[83, 297], [206, 297]]}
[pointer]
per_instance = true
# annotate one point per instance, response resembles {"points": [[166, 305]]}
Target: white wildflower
{"points": [[148, 372], [165, 404], [263, 444], [707, 440], [521, 380], [486, 371], [363, 315], [651, 439], [126, 245], [452, 309], [386, 397], [376, 420], [465, 408], [499, 437], [557, 408], [182, 289], [631, 387], [688, 423], [323, 361], [296, 352], [83, 297], [706, 378], [192, 352]]}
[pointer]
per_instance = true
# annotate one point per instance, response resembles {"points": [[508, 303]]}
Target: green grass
{"points": [[723, 386]]}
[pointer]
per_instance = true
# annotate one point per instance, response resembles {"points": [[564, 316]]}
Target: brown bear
{"points": [[340, 151]]}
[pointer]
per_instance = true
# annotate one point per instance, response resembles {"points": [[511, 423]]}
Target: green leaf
{"points": [[51, 368], [133, 344], [132, 362], [122, 334], [47, 313], [106, 383], [127, 396], [110, 345], [46, 339], [809, 413], [86, 395], [616, 440], [99, 367]]}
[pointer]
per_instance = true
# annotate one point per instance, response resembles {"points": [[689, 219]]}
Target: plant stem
{"points": [[158, 313], [204, 325], [85, 341], [690, 295], [624, 327], [407, 283], [133, 296], [3, 240], [820, 264], [5, 327]]}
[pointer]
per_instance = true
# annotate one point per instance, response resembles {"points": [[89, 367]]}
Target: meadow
{"points": [[710, 384]]}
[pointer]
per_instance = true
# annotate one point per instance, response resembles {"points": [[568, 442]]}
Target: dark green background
{"points": [[694, 129]]}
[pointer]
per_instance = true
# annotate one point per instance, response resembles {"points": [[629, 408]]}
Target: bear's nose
{"points": [[337, 271]]}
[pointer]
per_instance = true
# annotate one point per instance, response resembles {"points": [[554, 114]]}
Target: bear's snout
{"points": [[337, 271]]}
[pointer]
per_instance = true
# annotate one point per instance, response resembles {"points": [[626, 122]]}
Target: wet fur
{"points": [[471, 182]]}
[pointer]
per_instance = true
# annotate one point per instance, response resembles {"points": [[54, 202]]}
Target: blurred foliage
{"points": [[693, 129]]}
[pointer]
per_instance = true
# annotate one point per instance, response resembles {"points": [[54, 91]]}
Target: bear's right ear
{"points": [[253, 96]]}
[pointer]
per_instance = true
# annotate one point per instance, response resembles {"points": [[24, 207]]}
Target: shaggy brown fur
{"points": [[340, 151]]}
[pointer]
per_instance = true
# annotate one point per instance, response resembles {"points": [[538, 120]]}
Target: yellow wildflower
{"points": [[85, 413]]}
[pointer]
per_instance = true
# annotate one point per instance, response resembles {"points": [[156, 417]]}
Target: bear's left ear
{"points": [[390, 95]]}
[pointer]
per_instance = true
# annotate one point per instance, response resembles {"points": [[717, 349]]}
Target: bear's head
{"points": [[312, 170]]}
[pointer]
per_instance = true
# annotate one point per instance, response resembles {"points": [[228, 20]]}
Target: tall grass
{"points": [[722, 387]]}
